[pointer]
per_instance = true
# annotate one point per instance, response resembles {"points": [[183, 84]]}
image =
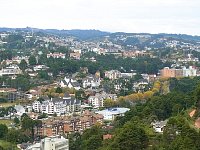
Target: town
{"points": [[54, 87]]}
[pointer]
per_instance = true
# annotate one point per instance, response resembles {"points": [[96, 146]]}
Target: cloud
{"points": [[155, 16]]}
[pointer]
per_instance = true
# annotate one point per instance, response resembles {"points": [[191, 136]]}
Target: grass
{"points": [[6, 122], [7, 104], [8, 145]]}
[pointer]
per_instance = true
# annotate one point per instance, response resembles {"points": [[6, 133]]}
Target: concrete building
{"points": [[60, 106], [191, 71], [112, 113], [51, 143], [184, 72]]}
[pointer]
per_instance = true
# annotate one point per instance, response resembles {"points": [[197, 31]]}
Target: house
{"points": [[140, 85], [107, 136], [98, 100], [40, 67], [19, 110], [75, 55], [113, 74], [91, 82], [70, 83], [56, 55], [10, 70], [159, 126]]}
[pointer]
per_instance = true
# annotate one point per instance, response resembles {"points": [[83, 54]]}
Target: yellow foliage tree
{"points": [[148, 94], [141, 96]]}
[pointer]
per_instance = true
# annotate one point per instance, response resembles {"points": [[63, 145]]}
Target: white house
{"points": [[11, 70], [91, 81], [40, 67], [70, 83], [159, 126], [19, 110], [56, 55], [113, 74]]}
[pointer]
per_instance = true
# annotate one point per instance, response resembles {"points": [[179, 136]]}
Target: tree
{"points": [[3, 130], [148, 94], [91, 138], [2, 112], [43, 75], [16, 120], [10, 111], [16, 136], [130, 137], [59, 90], [32, 60], [109, 103], [23, 65]]}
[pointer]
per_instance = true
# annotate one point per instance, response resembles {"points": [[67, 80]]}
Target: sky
{"points": [[135, 16]]}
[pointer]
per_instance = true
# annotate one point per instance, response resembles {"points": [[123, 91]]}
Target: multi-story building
{"points": [[64, 105], [98, 100], [191, 71], [184, 72], [65, 124]]}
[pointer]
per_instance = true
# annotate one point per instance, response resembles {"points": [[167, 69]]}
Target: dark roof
{"points": [[65, 83], [75, 84]]}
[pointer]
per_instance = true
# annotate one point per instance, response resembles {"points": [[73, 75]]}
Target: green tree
{"points": [[43, 75], [91, 138], [16, 120], [10, 111], [32, 60], [23, 65], [59, 90], [130, 137], [3, 130]]}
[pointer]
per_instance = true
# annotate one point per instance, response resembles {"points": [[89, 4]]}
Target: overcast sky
{"points": [[152, 16]]}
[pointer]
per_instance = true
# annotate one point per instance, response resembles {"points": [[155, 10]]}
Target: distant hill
{"points": [[93, 34], [80, 34]]}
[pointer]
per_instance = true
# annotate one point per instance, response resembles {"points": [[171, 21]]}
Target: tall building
{"points": [[184, 72]]}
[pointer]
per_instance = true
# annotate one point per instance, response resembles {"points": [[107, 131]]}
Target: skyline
{"points": [[133, 16]]}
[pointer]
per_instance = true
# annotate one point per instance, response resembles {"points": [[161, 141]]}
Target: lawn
{"points": [[6, 122], [7, 104], [8, 145]]}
